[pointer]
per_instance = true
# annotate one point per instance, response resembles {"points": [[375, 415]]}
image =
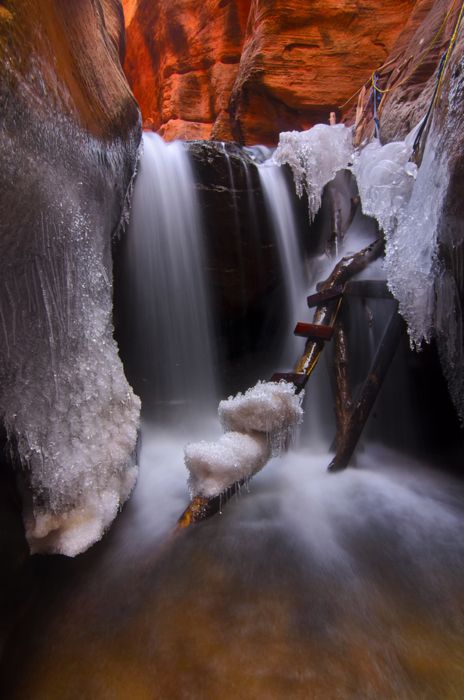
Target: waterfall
{"points": [[323, 584], [281, 213], [166, 282]]}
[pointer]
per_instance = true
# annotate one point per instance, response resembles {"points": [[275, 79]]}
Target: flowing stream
{"points": [[345, 587]]}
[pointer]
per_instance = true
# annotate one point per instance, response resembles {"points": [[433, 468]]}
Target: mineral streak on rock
{"points": [[409, 72], [69, 138]]}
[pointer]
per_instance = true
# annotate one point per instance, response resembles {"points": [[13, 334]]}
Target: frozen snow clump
{"points": [[215, 466], [268, 407]]}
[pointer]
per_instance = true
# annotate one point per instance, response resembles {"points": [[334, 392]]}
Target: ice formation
{"points": [[66, 402], [385, 180], [258, 424], [272, 408], [216, 466], [315, 156], [64, 399], [408, 203]]}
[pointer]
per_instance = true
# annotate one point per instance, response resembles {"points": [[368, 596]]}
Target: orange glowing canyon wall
{"points": [[248, 69]]}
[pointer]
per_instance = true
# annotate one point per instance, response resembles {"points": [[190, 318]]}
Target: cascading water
{"points": [[166, 283], [315, 585], [281, 214]]}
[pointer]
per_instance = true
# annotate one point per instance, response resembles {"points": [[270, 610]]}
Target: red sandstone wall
{"points": [[182, 60], [248, 69], [410, 71]]}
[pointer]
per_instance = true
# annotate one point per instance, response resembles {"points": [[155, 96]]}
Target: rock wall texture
{"points": [[248, 69], [69, 137], [409, 72]]}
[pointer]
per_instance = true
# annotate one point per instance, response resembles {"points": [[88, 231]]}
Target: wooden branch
{"points": [[336, 223], [351, 265], [369, 392], [326, 312], [343, 402]]}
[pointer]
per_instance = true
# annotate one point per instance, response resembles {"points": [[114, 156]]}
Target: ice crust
{"points": [[385, 180], [69, 412], [258, 424], [315, 156]]}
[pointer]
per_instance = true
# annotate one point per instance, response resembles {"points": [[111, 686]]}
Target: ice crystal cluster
{"points": [[315, 156], [69, 412], [257, 425], [409, 205]]}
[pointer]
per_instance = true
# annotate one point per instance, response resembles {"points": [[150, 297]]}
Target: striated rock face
{"points": [[182, 60], [68, 146], [300, 60], [248, 69], [409, 74]]}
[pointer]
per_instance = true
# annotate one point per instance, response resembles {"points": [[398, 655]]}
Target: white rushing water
{"points": [[281, 214], [166, 280]]}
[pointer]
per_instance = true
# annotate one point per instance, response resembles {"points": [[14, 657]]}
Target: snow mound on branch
{"points": [[216, 466], [268, 407], [257, 425]]}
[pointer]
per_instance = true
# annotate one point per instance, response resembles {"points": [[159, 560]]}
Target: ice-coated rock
{"points": [[69, 136]]}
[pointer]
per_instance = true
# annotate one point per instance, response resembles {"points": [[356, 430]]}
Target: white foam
{"points": [[216, 466]]}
